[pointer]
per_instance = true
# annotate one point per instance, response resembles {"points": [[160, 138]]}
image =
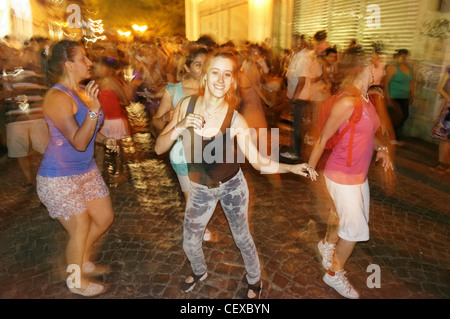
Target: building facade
{"points": [[421, 26]]}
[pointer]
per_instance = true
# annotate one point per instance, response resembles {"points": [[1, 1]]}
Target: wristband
{"points": [[382, 148], [177, 129]]}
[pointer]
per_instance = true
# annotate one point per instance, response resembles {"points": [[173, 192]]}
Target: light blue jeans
{"points": [[234, 197]]}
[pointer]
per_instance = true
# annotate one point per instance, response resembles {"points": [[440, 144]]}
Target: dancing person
{"points": [[68, 182], [252, 96], [347, 168], [441, 129], [399, 89], [113, 99], [206, 121], [172, 95], [26, 129]]}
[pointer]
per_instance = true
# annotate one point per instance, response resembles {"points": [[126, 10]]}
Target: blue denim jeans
{"points": [[201, 203]]}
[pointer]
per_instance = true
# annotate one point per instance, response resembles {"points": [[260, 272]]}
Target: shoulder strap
{"points": [[170, 89], [354, 119], [191, 105]]}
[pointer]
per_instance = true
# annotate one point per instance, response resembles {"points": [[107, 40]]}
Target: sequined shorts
{"points": [[68, 195]]}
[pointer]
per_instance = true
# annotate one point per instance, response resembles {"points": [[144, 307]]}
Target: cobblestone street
{"points": [[288, 216]]}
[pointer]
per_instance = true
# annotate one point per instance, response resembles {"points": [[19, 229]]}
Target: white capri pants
{"points": [[352, 204]]}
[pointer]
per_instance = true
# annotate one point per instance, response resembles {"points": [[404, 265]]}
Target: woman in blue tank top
{"points": [[68, 182], [211, 121]]}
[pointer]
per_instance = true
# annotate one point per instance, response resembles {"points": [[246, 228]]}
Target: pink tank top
{"points": [[336, 168]]}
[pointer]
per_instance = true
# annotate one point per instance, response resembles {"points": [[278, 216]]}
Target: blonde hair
{"points": [[352, 67], [232, 96]]}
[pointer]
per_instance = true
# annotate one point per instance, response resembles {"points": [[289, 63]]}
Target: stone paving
{"points": [[288, 216]]}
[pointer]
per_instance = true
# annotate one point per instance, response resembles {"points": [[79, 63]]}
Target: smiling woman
{"points": [[201, 121]]}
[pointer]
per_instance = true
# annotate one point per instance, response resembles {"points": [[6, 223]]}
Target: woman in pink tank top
{"points": [[347, 167]]}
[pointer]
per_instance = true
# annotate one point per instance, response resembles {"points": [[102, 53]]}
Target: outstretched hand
{"points": [[304, 170], [386, 160]]}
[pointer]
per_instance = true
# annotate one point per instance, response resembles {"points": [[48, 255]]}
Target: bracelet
{"points": [[382, 148]]}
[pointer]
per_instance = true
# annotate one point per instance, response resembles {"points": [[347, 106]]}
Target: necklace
{"points": [[208, 115]]}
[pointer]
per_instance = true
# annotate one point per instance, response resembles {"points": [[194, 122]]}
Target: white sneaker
{"points": [[327, 252], [340, 283]]}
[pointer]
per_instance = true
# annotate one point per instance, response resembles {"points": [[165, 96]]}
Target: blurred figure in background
{"points": [[113, 98], [24, 89], [330, 69], [320, 90], [254, 68], [172, 95], [441, 129], [298, 91], [399, 89]]}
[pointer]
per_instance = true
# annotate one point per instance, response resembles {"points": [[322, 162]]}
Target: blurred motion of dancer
{"points": [[69, 183], [399, 89], [172, 95], [347, 167], [298, 91], [212, 121], [441, 129], [254, 68], [113, 99]]}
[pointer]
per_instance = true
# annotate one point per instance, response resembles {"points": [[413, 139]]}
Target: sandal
{"points": [[188, 286], [91, 291], [256, 289], [97, 270]]}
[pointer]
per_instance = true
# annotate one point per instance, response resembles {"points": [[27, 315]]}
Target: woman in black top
{"points": [[209, 125]]}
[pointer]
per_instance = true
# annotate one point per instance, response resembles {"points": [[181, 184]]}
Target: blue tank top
{"points": [[61, 158]]}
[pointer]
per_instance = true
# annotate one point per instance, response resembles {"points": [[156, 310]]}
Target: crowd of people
{"points": [[67, 101]]}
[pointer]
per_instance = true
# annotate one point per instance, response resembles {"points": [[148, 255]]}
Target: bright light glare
{"points": [[139, 28], [124, 33]]}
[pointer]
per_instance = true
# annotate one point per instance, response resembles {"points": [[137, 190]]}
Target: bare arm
{"points": [[256, 82], [339, 114], [260, 162], [162, 116], [60, 109]]}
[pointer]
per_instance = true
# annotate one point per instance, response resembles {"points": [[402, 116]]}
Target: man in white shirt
{"points": [[298, 89]]}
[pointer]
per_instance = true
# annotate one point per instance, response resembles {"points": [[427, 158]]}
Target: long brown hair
{"points": [[62, 51], [232, 96]]}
